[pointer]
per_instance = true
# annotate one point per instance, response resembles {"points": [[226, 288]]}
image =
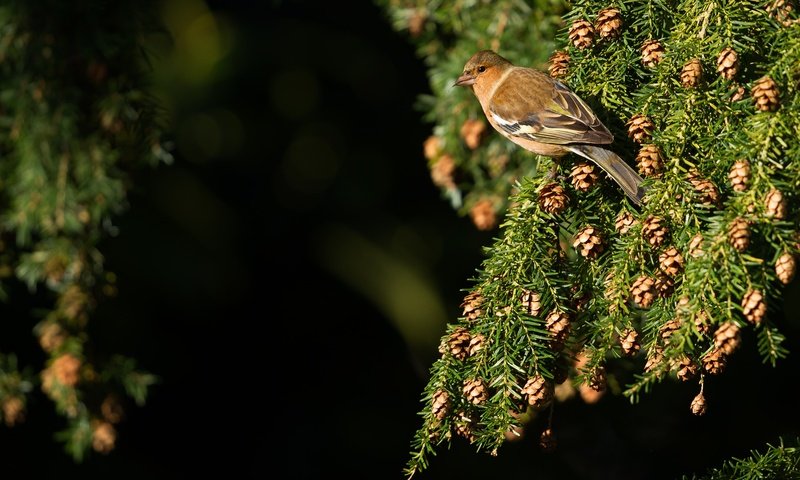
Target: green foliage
{"points": [[777, 462], [698, 263], [76, 122]]}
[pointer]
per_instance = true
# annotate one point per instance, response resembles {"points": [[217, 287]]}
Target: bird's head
{"points": [[483, 64]]}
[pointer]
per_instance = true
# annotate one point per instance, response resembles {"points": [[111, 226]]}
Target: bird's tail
{"points": [[621, 172]]}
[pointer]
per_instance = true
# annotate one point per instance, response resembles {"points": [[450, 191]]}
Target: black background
{"points": [[270, 366]]}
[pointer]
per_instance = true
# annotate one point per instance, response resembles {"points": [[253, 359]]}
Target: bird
{"points": [[544, 116]]}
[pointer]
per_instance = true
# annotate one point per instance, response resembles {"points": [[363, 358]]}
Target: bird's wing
{"points": [[560, 118]]}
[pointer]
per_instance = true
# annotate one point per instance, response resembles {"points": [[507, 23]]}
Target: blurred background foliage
{"points": [[289, 275]]}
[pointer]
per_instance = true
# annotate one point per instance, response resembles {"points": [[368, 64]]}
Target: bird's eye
{"points": [[481, 69]]}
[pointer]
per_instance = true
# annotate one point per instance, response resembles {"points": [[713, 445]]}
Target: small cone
{"points": [[701, 322], [640, 128], [581, 34], [104, 436], [598, 381], [553, 199], [643, 291], [785, 268], [475, 344], [583, 176], [464, 426], [532, 302], [558, 324], [727, 337], [629, 341], [443, 172], [707, 192], [776, 204], [664, 285], [754, 306], [668, 329], [472, 132], [13, 409], [671, 261], [766, 95], [783, 12], [654, 231], [739, 234], [698, 405], [475, 391], [559, 64], [685, 369], [728, 63], [472, 306], [740, 175], [608, 23], [625, 221], [589, 243], [649, 160], [714, 362], [696, 246], [440, 404], [691, 74], [538, 391], [738, 94], [458, 343], [652, 53], [483, 214], [432, 147], [654, 359]]}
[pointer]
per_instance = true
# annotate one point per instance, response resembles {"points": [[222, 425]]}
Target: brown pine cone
{"points": [[442, 172], [547, 440], [598, 380], [740, 175], [643, 291], [483, 214], [696, 246], [714, 362], [629, 340], [785, 268], [558, 324], [440, 404], [104, 436], [668, 329], [559, 64], [553, 199], [727, 337], [728, 63], [608, 23], [625, 221], [654, 359], [458, 343], [66, 369], [739, 93], [583, 176], [432, 147], [654, 231], [472, 306], [538, 391], [464, 426], [649, 160], [698, 405], [532, 302], [685, 369], [475, 391], [783, 12], [589, 242], [652, 53], [475, 344], [472, 132], [13, 409], [581, 34], [766, 94], [640, 128], [664, 285], [739, 234], [776, 204], [671, 261], [691, 73], [701, 322], [754, 306], [707, 192]]}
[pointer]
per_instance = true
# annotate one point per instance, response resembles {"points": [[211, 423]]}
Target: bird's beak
{"points": [[465, 80]]}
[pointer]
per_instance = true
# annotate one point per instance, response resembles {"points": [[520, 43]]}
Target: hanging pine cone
{"points": [[707, 192], [432, 147], [475, 391], [671, 261], [782, 11], [776, 204], [668, 329], [766, 94], [598, 381], [629, 341], [559, 64], [483, 214], [740, 175], [727, 337], [583, 176], [472, 132], [649, 160], [581, 34], [754, 306], [442, 172], [739, 234], [458, 343], [652, 53], [728, 63], [685, 369], [13, 410], [532, 302], [691, 73], [416, 22], [696, 246], [785, 268], [440, 404], [738, 94], [538, 391], [640, 128], [472, 306], [589, 242], [698, 405], [714, 362], [701, 322], [625, 221], [608, 23], [664, 285], [464, 426], [654, 231], [654, 359], [547, 440], [553, 199], [558, 324], [643, 291], [475, 344]]}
